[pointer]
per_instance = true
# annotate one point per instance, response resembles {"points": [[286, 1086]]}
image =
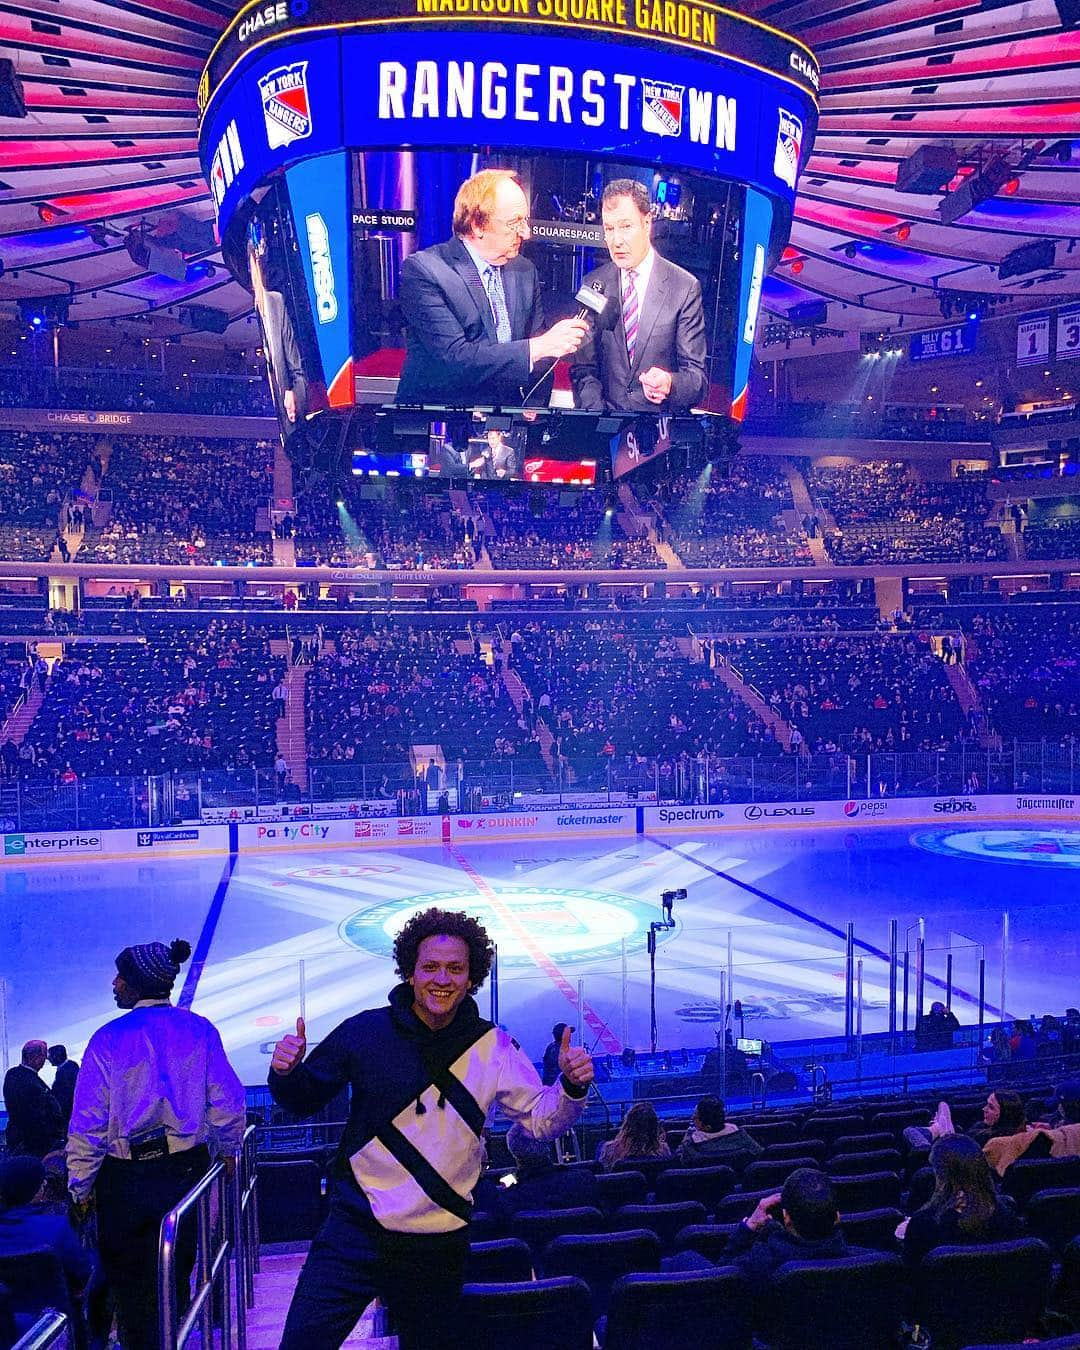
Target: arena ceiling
{"points": [[109, 142]]}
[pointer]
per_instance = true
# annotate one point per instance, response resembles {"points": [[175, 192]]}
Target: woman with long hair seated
{"points": [[965, 1206], [640, 1136]]}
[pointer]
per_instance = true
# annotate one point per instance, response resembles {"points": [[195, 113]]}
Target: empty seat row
{"points": [[960, 1295]]}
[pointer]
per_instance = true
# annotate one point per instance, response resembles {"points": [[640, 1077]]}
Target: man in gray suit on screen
{"points": [[653, 360]]}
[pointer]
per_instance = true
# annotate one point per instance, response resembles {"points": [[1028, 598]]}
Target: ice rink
{"points": [[275, 933]]}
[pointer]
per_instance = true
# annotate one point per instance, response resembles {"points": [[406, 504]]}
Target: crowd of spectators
{"points": [[731, 516], [1056, 539], [853, 693], [184, 501], [613, 698], [1025, 663], [896, 422], [136, 391], [404, 525], [884, 515], [528, 527], [373, 694], [195, 697], [38, 472]]}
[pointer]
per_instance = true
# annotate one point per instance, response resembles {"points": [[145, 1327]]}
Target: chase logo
{"points": [[286, 106], [565, 924]]}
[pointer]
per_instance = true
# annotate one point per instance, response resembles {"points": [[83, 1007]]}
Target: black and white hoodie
{"points": [[420, 1100]]}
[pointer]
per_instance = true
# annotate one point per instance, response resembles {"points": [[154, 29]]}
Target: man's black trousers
{"points": [[353, 1261], [132, 1198]]}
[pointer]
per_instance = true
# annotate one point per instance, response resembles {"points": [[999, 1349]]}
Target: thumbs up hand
{"points": [[290, 1050], [575, 1062]]}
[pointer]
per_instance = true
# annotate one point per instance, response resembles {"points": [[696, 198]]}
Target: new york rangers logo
{"points": [[286, 106], [662, 108], [788, 148]]}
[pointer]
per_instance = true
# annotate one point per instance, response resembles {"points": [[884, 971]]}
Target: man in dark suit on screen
{"points": [[653, 360], [474, 323], [284, 363]]}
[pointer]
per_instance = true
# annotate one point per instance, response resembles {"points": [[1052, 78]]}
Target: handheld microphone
{"points": [[593, 304]]}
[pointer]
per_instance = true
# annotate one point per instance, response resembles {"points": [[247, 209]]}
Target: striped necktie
{"points": [[493, 278], [630, 312]]}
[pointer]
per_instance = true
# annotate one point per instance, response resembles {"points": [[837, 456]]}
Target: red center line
{"points": [[595, 1023]]}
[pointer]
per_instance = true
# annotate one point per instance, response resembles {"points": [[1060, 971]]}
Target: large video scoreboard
{"points": [[336, 135]]}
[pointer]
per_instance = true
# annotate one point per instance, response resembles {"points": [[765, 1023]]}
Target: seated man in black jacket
{"points": [[538, 1183], [801, 1223]]}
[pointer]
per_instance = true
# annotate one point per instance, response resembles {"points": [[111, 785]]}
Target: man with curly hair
{"points": [[424, 1074]]}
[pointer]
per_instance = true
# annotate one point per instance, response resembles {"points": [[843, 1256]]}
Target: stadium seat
{"points": [[500, 1262], [707, 1239], [291, 1204], [848, 1304], [8, 1331], [768, 1132], [688, 1310], [772, 1175], [709, 1185], [986, 1292], [1066, 1298], [35, 1281], [853, 1164], [739, 1204], [896, 1122], [485, 1227], [1054, 1216], [868, 1190], [795, 1148], [862, 1143], [872, 1228], [663, 1220], [602, 1258], [827, 1128], [621, 1188], [1024, 1178], [650, 1168], [535, 1315], [536, 1227]]}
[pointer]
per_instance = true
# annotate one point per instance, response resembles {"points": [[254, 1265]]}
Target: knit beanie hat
{"points": [[152, 968]]}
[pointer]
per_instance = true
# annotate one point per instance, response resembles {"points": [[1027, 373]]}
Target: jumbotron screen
{"points": [[517, 205]]}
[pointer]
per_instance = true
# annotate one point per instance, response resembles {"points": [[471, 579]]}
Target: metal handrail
{"points": [[246, 1231], [227, 1215], [210, 1199], [46, 1332]]}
